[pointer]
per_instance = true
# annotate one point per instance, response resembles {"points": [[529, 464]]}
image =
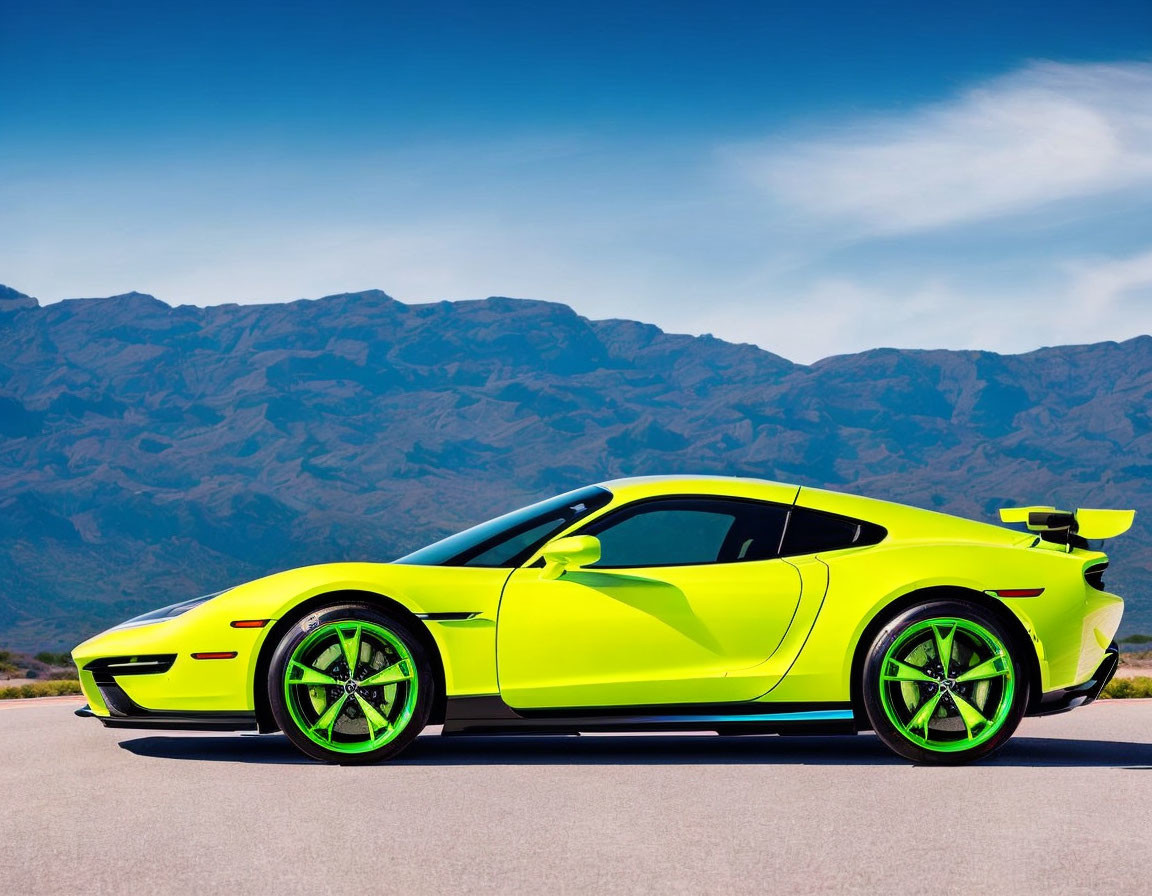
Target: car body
{"points": [[668, 603]]}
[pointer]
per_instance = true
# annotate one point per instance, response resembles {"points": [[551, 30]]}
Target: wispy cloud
{"points": [[1075, 302], [1044, 133], [1120, 286]]}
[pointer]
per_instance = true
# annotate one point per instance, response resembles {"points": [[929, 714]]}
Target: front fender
{"points": [[466, 646]]}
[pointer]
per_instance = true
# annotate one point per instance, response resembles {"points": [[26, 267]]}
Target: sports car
{"points": [[739, 606]]}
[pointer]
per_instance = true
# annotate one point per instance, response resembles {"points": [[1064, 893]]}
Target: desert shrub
{"points": [[1122, 688], [54, 659], [41, 689]]}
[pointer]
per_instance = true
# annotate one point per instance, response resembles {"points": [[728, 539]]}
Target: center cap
{"points": [[351, 686]]}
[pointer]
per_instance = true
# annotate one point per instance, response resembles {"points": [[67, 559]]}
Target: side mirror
{"points": [[569, 553]]}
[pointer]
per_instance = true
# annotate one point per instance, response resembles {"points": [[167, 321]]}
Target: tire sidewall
{"points": [[887, 636], [348, 612]]}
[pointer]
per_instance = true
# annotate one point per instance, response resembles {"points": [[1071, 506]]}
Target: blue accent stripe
{"points": [[828, 715]]}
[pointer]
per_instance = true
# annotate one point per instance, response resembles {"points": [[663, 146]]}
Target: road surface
{"points": [[1065, 808]]}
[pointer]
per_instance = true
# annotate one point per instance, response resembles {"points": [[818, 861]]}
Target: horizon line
{"points": [[17, 294]]}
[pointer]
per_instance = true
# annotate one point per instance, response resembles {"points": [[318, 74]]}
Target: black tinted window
{"points": [[687, 532], [810, 531]]}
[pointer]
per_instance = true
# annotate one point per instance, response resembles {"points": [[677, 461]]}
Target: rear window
{"points": [[812, 531]]}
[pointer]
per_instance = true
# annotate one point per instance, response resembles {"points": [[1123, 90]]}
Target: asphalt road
{"points": [[1065, 808]]}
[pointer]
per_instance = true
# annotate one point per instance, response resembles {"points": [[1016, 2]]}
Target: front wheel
{"points": [[350, 684], [942, 685]]}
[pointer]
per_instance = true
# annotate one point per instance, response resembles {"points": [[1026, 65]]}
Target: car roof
{"points": [[633, 487], [904, 522]]}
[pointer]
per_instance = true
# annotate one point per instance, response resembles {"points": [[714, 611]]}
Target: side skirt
{"points": [[491, 715]]}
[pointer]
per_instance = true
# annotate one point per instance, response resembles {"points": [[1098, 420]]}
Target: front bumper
{"points": [[102, 681], [196, 662], [1082, 694]]}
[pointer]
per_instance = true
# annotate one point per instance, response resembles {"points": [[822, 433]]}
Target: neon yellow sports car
{"points": [[661, 603]]}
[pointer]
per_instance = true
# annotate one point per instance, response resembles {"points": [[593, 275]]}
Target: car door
{"points": [[686, 592]]}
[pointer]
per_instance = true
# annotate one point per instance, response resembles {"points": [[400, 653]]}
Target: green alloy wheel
{"points": [[348, 684], [942, 686]]}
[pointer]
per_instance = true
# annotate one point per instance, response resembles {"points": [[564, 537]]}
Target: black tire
{"points": [[1011, 685], [422, 676]]}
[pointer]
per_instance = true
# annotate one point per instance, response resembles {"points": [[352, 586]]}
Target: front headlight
{"points": [[165, 613]]}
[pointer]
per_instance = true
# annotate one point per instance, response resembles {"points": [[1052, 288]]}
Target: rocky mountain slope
{"points": [[149, 453]]}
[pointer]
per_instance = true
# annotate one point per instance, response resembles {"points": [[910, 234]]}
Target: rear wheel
{"points": [[350, 684], [941, 684]]}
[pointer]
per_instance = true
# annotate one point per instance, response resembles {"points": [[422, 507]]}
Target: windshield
{"points": [[511, 539]]}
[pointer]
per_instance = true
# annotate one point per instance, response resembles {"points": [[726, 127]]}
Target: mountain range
{"points": [[149, 453]]}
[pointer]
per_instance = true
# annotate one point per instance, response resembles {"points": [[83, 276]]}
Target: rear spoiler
{"points": [[1071, 527]]}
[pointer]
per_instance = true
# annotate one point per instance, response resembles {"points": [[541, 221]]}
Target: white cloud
{"points": [[1044, 133], [1121, 287], [1080, 302]]}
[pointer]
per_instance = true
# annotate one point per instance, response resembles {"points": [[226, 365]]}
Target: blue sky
{"points": [[816, 178]]}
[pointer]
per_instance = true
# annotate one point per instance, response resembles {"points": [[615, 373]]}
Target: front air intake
{"points": [[104, 669]]}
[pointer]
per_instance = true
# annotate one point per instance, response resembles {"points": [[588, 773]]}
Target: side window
{"points": [[811, 531], [687, 532]]}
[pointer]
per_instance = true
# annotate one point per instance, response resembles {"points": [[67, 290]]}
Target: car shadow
{"points": [[864, 750]]}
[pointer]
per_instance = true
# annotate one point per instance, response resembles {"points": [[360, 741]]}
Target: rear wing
{"points": [[1071, 527]]}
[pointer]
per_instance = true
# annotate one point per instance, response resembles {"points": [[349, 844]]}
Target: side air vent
{"points": [[1094, 576]]}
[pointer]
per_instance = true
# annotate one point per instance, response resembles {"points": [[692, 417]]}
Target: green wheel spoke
{"points": [[376, 722], [397, 672], [969, 713], [990, 668], [944, 646], [351, 647], [298, 673], [331, 714], [905, 672], [924, 714]]}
